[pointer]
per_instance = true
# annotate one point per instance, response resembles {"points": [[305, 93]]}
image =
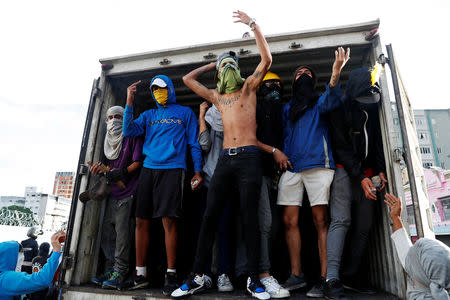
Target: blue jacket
{"points": [[168, 130], [306, 142], [19, 283]]}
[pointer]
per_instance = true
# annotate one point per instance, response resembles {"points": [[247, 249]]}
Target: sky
{"points": [[49, 56]]}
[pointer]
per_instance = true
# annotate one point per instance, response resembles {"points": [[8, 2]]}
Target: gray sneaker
{"points": [[317, 289], [294, 282], [224, 284]]}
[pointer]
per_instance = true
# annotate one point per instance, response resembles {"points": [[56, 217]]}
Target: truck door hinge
{"points": [[382, 59], [398, 155], [67, 262], [83, 169]]}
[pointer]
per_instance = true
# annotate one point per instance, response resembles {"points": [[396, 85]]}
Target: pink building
{"points": [[438, 187]]}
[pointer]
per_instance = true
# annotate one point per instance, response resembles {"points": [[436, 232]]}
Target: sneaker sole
{"points": [[314, 295], [358, 291], [279, 297], [296, 287], [109, 287], [139, 286], [225, 290], [254, 295], [191, 292]]}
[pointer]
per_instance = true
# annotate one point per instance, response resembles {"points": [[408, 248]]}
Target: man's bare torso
{"points": [[238, 111]]}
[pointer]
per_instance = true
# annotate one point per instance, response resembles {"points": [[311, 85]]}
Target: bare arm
{"points": [[340, 60], [201, 116], [255, 79], [190, 80], [280, 158], [395, 208], [134, 166]]}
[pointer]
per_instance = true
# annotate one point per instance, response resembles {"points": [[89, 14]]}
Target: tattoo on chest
{"points": [[229, 101]]}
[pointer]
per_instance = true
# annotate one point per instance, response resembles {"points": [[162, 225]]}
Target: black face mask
{"points": [[271, 93], [304, 96]]}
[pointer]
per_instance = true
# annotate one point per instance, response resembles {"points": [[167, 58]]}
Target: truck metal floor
{"points": [[91, 292]]}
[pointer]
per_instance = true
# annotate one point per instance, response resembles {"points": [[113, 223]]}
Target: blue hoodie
{"points": [[168, 130], [306, 142], [14, 283]]}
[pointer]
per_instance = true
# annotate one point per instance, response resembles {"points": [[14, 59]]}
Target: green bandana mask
{"points": [[230, 79]]}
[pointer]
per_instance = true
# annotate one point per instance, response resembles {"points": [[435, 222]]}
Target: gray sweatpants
{"points": [[265, 226], [340, 212], [116, 234]]}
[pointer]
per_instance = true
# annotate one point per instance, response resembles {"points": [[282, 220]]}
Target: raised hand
{"points": [[131, 91], [341, 58], [241, 17], [395, 205], [56, 244]]}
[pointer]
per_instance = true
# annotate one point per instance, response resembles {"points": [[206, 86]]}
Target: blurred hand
{"points": [[203, 108], [282, 160], [197, 178], [368, 188], [383, 181], [241, 17], [341, 58], [55, 241], [95, 168], [395, 205], [131, 90]]}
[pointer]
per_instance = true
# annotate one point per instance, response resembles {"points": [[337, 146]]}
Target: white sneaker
{"points": [[190, 286], [274, 288], [256, 289], [224, 283]]}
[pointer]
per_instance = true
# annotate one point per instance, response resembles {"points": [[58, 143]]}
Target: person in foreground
{"points": [[427, 262], [239, 162], [13, 282]]}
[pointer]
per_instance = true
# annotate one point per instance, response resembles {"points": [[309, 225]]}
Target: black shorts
{"points": [[159, 193]]}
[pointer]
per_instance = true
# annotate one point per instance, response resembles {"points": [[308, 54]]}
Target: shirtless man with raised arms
{"points": [[239, 162]]}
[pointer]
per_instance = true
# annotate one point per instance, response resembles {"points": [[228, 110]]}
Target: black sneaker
{"points": [[334, 290], [317, 289], [170, 283], [358, 287], [140, 282], [193, 284], [294, 282]]}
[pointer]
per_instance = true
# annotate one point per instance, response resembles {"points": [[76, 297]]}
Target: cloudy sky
{"points": [[49, 55]]}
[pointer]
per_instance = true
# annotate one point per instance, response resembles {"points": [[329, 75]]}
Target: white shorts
{"points": [[317, 182]]}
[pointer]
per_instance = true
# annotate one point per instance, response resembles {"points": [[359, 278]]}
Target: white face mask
{"points": [[114, 126], [20, 259]]}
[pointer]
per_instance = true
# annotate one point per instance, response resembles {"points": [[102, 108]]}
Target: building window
{"points": [[427, 164], [445, 203], [419, 122], [442, 165], [425, 150], [439, 150], [410, 213], [422, 136]]}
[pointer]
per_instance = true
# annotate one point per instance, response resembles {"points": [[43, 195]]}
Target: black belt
{"points": [[236, 150]]}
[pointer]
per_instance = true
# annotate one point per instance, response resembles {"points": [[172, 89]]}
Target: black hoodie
{"points": [[355, 131]]}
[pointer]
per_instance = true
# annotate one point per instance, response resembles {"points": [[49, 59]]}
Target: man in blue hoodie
{"points": [[13, 282], [169, 130], [306, 143]]}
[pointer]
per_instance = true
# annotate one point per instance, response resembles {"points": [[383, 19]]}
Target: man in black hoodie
{"points": [[358, 150]]}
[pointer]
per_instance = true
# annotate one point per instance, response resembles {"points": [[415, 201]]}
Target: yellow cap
{"points": [[271, 76]]}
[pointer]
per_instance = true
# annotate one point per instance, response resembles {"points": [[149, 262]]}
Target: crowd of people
{"points": [[325, 149]]}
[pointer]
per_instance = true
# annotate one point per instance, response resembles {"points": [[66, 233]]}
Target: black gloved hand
{"points": [[116, 175]]}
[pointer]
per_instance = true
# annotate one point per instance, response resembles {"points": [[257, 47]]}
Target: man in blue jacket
{"points": [[168, 131], [13, 282], [306, 143]]}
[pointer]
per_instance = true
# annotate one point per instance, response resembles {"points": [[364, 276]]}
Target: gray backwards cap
{"points": [[230, 54]]}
